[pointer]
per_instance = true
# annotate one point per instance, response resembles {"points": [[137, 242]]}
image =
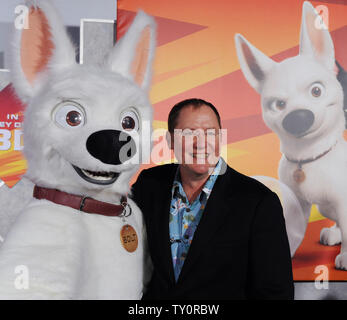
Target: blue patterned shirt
{"points": [[185, 217]]}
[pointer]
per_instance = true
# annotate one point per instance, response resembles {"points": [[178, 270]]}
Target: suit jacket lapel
{"points": [[211, 219], [163, 232]]}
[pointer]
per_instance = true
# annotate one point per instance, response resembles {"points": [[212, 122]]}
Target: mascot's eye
{"points": [[316, 90], [73, 118], [130, 121], [69, 114]]}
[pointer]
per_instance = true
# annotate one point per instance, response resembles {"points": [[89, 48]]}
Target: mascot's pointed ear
{"points": [[44, 46], [133, 54]]}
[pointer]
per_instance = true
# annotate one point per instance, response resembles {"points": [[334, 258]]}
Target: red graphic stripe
{"points": [[168, 30]]}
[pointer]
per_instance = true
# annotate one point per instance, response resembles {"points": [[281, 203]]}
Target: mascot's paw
{"points": [[330, 236], [341, 261]]}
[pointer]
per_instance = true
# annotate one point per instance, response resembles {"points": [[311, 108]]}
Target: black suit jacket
{"points": [[240, 248]]}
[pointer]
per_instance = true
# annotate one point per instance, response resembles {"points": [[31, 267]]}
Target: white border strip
{"points": [[1, 184], [82, 32]]}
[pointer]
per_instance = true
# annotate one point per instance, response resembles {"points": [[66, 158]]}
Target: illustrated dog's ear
{"points": [[44, 46], [133, 54], [315, 39], [254, 64]]}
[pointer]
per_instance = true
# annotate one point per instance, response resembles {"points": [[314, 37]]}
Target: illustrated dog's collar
{"points": [[301, 162], [82, 203]]}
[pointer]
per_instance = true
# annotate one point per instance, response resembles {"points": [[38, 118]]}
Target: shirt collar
{"points": [[177, 184]]}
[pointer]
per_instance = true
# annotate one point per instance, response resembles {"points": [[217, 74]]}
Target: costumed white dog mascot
{"points": [[79, 237], [302, 102]]}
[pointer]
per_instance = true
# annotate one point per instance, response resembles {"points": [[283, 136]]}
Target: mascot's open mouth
{"points": [[97, 177]]}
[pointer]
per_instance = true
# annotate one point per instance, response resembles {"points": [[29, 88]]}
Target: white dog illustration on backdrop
{"points": [[302, 102], [71, 241]]}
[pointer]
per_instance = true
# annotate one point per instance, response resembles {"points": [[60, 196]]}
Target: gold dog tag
{"points": [[128, 238], [299, 175]]}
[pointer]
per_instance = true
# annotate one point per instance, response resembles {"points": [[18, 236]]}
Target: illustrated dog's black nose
{"points": [[111, 146], [298, 122]]}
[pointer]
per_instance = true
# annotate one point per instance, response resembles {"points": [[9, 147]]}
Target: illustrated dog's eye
{"points": [[69, 114], [316, 90], [277, 104], [280, 104], [130, 121]]}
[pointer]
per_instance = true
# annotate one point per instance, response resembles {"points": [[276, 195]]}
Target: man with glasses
{"points": [[213, 233]]}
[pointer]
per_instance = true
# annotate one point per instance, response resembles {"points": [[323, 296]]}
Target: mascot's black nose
{"points": [[111, 146], [298, 121]]}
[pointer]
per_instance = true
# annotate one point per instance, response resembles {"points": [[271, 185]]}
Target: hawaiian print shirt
{"points": [[185, 217]]}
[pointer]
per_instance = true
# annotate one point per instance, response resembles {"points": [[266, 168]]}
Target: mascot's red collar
{"points": [[81, 203]]}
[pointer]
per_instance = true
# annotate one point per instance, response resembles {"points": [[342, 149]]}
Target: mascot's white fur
{"points": [[53, 251], [302, 102]]}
